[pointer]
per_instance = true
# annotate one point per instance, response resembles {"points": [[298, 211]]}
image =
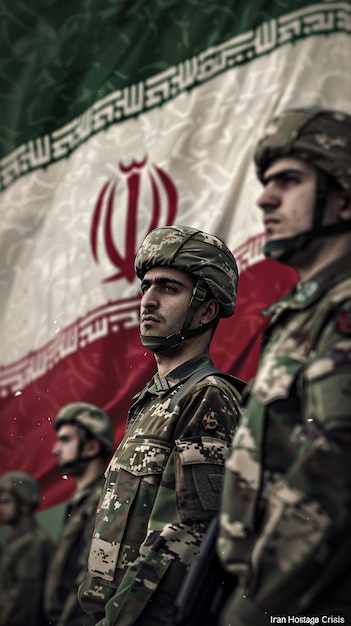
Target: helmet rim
{"points": [[22, 485], [200, 254], [321, 137], [90, 417]]}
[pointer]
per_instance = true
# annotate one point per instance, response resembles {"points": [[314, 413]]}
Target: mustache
{"points": [[153, 314]]}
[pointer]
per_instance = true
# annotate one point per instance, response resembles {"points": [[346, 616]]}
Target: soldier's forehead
{"points": [[67, 428], [164, 272], [288, 163]]}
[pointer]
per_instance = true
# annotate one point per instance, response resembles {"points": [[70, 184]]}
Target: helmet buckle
{"points": [[199, 293]]}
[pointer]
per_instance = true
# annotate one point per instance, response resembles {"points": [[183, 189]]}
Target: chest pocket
{"points": [[132, 480], [274, 412], [277, 377], [143, 456]]}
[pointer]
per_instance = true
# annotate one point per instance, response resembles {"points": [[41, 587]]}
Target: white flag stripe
{"points": [[202, 139]]}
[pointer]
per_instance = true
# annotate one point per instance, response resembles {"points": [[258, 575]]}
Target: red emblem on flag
{"points": [[343, 322], [210, 421], [150, 196]]}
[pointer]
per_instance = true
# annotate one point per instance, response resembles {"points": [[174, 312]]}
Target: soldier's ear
{"points": [[210, 311], [91, 447]]}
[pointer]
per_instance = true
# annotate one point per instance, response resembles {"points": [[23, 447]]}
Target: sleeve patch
{"points": [[210, 421], [343, 322]]}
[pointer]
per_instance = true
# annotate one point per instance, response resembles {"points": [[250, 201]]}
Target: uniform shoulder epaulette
{"points": [[237, 383]]}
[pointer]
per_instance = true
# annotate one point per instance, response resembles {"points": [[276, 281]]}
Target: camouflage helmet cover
{"points": [[22, 485], [196, 252], [320, 137], [92, 418]]}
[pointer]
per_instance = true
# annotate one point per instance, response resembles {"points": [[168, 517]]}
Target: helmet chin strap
{"points": [[77, 461], [160, 344], [288, 246], [69, 465], [291, 245]]}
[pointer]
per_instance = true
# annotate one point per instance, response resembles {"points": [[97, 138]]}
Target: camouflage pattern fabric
{"points": [[201, 254], [286, 506], [69, 564], [23, 565], [321, 138], [162, 489], [22, 485], [90, 417]]}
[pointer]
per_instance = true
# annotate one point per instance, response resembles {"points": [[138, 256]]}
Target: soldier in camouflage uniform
{"points": [[26, 552], [286, 507], [164, 481], [84, 443]]}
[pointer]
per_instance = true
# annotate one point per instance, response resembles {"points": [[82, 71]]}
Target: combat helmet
{"points": [[204, 256], [22, 485], [321, 138], [91, 419]]}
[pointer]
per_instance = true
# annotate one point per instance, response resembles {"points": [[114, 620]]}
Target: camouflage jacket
{"points": [[69, 564], [162, 488], [23, 565], [286, 506]]}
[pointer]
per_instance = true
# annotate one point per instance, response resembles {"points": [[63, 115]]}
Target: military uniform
{"points": [[162, 489], [286, 510], [69, 564], [23, 566]]}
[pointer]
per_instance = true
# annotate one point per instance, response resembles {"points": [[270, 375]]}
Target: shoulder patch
{"points": [[343, 322], [210, 421]]}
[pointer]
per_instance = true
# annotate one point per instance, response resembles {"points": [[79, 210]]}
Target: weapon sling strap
{"points": [[237, 383]]}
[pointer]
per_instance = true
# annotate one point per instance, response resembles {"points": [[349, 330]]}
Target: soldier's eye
{"points": [[144, 287]]}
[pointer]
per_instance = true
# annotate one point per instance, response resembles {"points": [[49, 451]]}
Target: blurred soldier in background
{"points": [[163, 484], [84, 443], [26, 553], [286, 512]]}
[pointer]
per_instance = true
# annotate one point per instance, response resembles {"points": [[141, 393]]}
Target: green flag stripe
{"points": [[131, 101], [58, 58]]}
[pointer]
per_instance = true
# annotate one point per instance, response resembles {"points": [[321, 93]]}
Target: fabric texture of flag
{"points": [[118, 118]]}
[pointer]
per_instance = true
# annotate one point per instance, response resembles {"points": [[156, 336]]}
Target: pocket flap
{"points": [[141, 456], [202, 450]]}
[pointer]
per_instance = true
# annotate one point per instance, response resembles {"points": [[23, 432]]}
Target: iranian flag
{"points": [[117, 118]]}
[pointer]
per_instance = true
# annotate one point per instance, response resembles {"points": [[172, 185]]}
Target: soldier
{"points": [[26, 553], [286, 508], [163, 483], [84, 443]]}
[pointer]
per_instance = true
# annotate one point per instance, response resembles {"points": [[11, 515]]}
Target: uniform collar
{"points": [[82, 492], [158, 385], [306, 292]]}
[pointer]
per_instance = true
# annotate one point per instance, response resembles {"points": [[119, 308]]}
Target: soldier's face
{"points": [[166, 293], [288, 198], [8, 507], [67, 444]]}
